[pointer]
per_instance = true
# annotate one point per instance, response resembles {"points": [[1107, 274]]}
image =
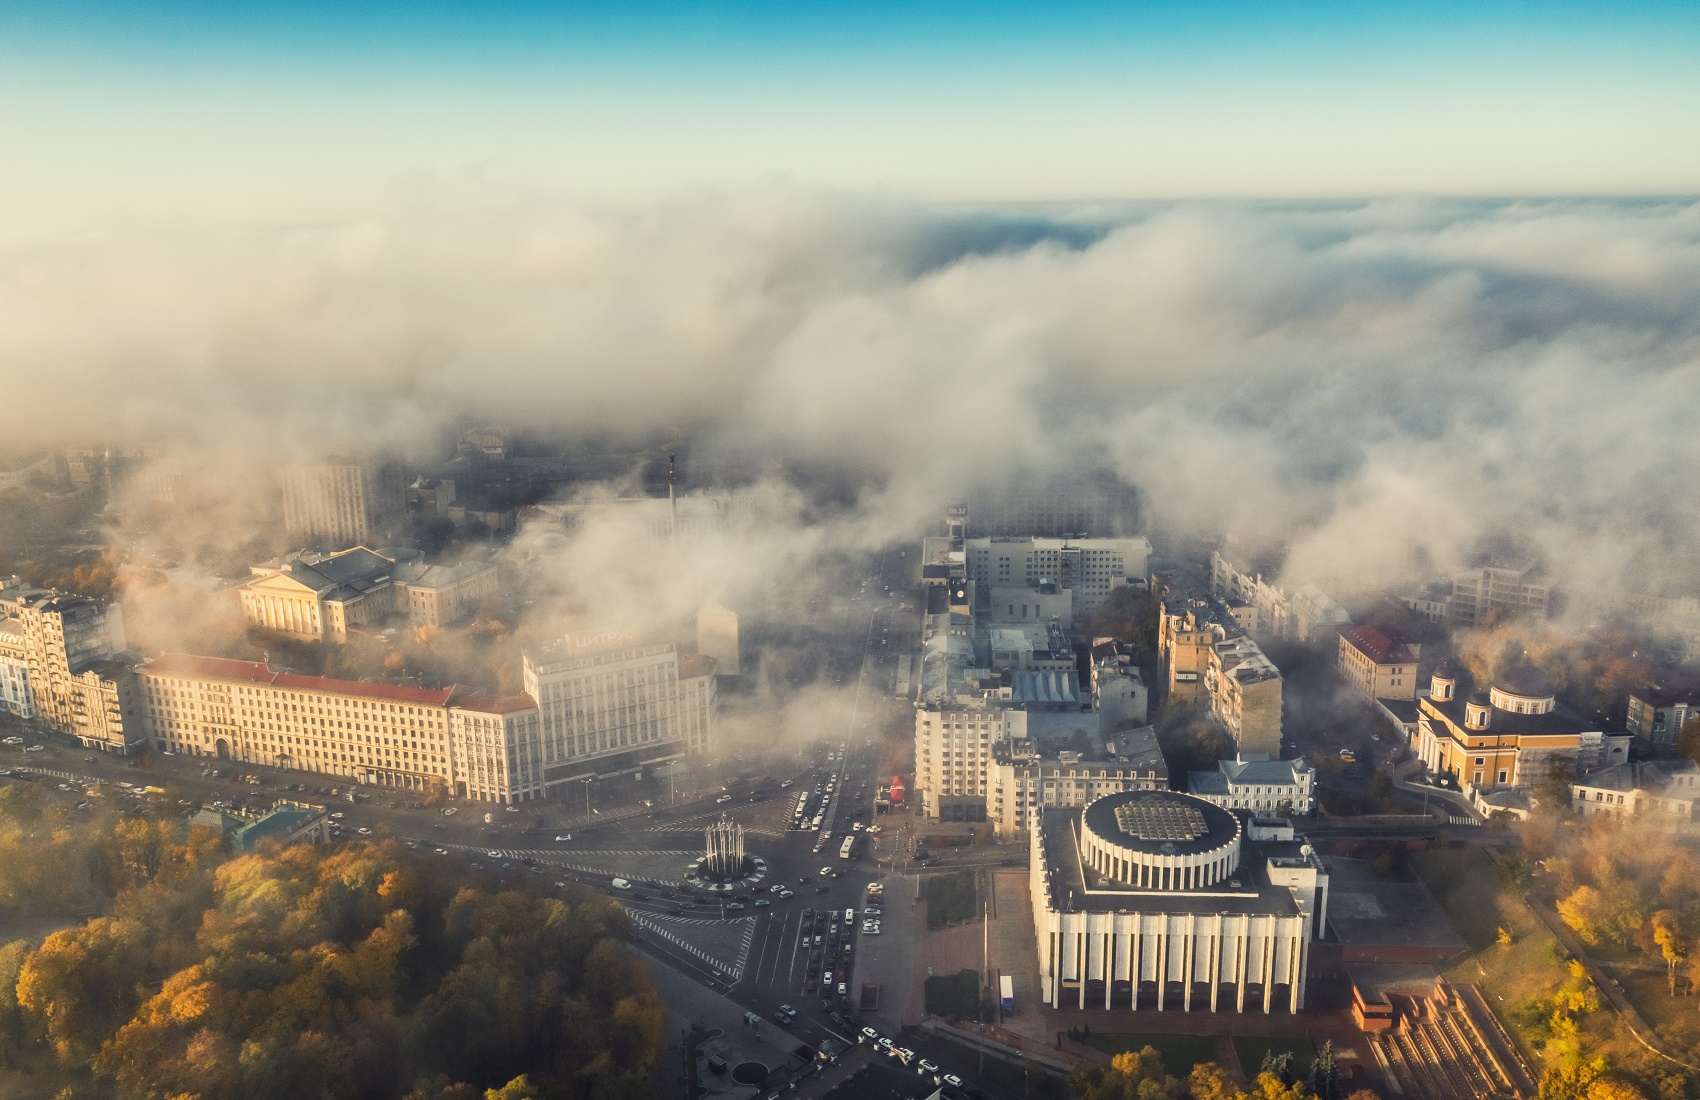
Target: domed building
{"points": [[1508, 733], [1157, 899]]}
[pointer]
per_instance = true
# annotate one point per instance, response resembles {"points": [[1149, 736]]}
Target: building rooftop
{"points": [[1385, 645], [1160, 822], [1078, 889], [495, 704], [254, 672]]}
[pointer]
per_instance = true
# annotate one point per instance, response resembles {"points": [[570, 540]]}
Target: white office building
{"points": [[612, 704]]}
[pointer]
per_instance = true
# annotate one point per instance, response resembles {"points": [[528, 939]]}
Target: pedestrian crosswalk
{"points": [[662, 927]]}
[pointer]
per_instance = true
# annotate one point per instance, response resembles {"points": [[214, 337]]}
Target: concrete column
{"points": [[1216, 964], [1187, 951], [1295, 967], [1240, 963], [1163, 964], [1080, 966], [1109, 965], [1135, 958], [1268, 970]]}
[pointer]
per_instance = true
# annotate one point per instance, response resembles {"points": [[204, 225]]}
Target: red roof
{"points": [[495, 704], [223, 668], [1377, 644], [208, 668]]}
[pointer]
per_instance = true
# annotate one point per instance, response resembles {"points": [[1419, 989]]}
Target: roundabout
{"points": [[725, 867]]}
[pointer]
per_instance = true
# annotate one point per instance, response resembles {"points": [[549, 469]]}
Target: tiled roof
{"points": [[1377, 644]]}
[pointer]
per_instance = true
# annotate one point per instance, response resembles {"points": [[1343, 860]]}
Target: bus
{"points": [[849, 848]]}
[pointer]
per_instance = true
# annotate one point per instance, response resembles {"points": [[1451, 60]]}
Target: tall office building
{"points": [[613, 705], [342, 503]]}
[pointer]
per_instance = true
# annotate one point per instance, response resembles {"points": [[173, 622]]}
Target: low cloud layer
{"points": [[1377, 385]]}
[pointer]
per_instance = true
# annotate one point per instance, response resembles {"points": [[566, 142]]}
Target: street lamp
{"points": [[587, 781]]}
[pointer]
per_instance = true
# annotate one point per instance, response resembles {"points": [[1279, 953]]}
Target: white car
{"points": [[952, 1080], [620, 884], [34, 748], [563, 838], [826, 871], [723, 799], [451, 811], [927, 1069], [363, 831]]}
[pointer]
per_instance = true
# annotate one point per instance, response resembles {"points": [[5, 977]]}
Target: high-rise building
{"points": [[613, 704], [64, 655], [342, 503]]}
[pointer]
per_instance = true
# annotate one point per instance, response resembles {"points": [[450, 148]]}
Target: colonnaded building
{"points": [[1156, 899]]}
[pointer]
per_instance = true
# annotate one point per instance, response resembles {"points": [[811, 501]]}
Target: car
{"points": [[883, 1045], [363, 831], [1348, 755], [563, 838], [843, 988], [737, 905], [493, 854], [808, 915], [34, 748], [723, 799], [903, 1054], [440, 851], [785, 892], [868, 1035], [762, 903], [511, 809], [337, 816], [620, 884], [952, 1080], [826, 978], [780, 1018], [790, 1012], [825, 871], [927, 1069], [835, 1017]]}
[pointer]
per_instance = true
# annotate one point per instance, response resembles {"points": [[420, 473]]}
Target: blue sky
{"points": [[241, 109]]}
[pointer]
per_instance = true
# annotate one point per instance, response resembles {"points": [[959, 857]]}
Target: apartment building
{"points": [[1090, 569], [1209, 659], [1657, 712], [63, 655], [1665, 791], [496, 748], [614, 704], [1262, 607], [342, 503], [1502, 584], [1379, 662], [389, 735]]}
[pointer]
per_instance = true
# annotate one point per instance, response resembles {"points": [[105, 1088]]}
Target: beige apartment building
{"points": [[63, 657], [384, 734], [1209, 658], [1379, 662]]}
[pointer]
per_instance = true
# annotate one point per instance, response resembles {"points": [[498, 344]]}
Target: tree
{"points": [[1584, 910], [1672, 943], [1209, 1081]]}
